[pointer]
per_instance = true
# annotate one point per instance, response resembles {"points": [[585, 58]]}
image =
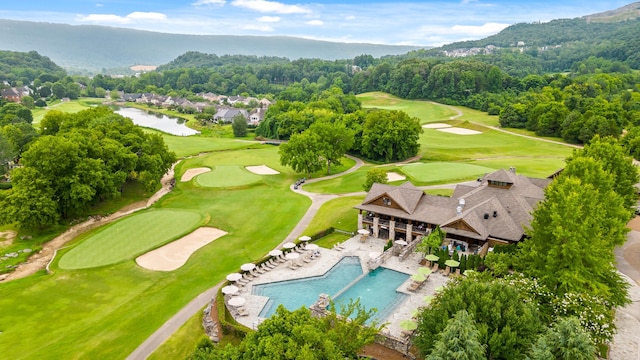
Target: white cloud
{"points": [[263, 28], [269, 19], [315, 22], [111, 18], [209, 2], [270, 7], [350, 17], [99, 5], [138, 15]]}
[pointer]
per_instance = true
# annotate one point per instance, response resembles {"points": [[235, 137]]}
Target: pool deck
{"points": [[328, 258]]}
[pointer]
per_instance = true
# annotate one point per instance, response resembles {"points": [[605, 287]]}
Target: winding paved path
{"points": [[317, 200]]}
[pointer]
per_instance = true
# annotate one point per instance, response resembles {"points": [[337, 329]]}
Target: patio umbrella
{"points": [[313, 247], [424, 271], [468, 272], [230, 290], [292, 256], [363, 232], [304, 238], [438, 288], [432, 257], [452, 263], [374, 254], [234, 276], [289, 245], [248, 266], [237, 301], [401, 242], [275, 253], [408, 325], [418, 277], [416, 312]]}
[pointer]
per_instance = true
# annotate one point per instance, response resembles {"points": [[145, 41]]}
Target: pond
{"points": [[164, 123]]}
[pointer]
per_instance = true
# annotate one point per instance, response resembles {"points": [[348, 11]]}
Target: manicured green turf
{"points": [[535, 167], [69, 106], [442, 172], [227, 176], [129, 237], [441, 146], [337, 213], [106, 312], [424, 110], [183, 342], [193, 145]]}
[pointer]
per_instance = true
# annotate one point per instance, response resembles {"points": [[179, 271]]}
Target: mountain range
{"points": [[94, 48]]}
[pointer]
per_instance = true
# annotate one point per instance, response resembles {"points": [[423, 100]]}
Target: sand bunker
{"points": [[262, 170], [191, 173], [394, 176], [460, 131], [176, 253], [436, 126]]}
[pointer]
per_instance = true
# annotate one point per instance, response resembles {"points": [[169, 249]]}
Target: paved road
{"points": [[168, 328]]}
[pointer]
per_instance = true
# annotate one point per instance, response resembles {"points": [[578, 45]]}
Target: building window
{"points": [[386, 201]]}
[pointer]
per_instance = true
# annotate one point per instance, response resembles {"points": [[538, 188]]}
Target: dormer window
{"points": [[386, 201]]}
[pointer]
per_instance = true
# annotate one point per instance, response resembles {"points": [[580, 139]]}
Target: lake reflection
{"points": [[164, 123]]}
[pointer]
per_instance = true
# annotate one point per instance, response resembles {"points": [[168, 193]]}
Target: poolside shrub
{"points": [[227, 323], [388, 245], [322, 233]]}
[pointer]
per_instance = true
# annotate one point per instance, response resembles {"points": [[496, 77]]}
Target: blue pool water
{"points": [[377, 289]]}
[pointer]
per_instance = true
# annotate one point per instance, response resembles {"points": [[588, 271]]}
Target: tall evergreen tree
{"points": [[459, 340]]}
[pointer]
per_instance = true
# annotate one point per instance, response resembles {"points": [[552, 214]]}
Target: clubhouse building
{"points": [[496, 210]]}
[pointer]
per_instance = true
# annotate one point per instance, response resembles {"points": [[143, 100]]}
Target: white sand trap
{"points": [[191, 173], [394, 176], [460, 131], [436, 126], [262, 170], [176, 253]]}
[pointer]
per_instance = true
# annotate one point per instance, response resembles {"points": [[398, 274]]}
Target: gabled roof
{"points": [[406, 196], [513, 206]]}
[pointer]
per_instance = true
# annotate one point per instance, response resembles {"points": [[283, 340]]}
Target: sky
{"points": [[411, 22]]}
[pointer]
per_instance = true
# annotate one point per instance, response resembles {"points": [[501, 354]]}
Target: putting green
{"points": [[444, 171], [130, 237], [227, 176]]}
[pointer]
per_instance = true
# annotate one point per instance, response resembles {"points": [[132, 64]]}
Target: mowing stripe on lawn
{"points": [[130, 237], [444, 171]]}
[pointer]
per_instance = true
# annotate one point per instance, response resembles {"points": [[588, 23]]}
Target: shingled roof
{"points": [[512, 206]]}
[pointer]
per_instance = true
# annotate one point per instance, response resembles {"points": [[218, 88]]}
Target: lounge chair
{"points": [[447, 271], [307, 258], [435, 268], [260, 270], [458, 272], [292, 266], [242, 311], [415, 285]]}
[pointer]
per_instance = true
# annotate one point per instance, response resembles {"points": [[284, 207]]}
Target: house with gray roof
{"points": [[496, 210], [227, 114]]}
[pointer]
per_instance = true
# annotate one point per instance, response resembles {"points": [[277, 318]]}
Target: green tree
{"points": [[390, 135], [301, 153], [507, 322], [7, 153], [298, 335], [615, 161], [375, 175], [573, 234], [566, 340], [334, 139], [432, 241], [458, 340], [239, 126]]}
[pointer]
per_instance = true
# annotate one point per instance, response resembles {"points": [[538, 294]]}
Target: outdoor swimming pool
{"points": [[377, 289]]}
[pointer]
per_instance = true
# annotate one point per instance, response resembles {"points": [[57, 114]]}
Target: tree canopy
{"points": [[83, 158]]}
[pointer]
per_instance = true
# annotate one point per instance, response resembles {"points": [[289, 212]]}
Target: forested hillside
{"points": [[94, 48], [26, 66]]}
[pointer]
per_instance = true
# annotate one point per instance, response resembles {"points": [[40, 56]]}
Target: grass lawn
{"points": [[227, 176], [73, 106], [183, 341], [130, 237], [426, 111], [107, 312], [337, 213], [443, 172], [540, 167]]}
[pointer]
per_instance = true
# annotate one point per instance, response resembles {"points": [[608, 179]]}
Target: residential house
{"points": [[256, 116], [496, 210], [11, 94], [226, 114]]}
